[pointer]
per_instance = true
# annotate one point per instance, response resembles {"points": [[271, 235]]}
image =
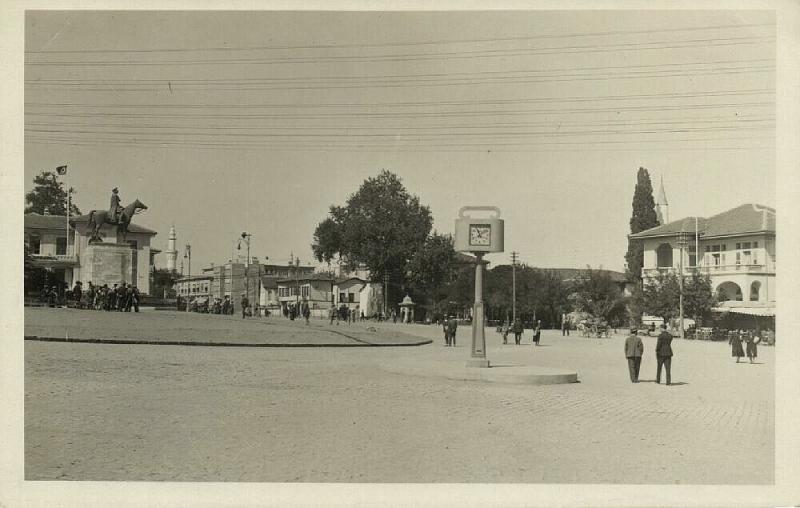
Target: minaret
{"points": [[662, 207], [172, 252]]}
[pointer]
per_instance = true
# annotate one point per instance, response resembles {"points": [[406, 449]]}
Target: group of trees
{"points": [[660, 295], [386, 229]]}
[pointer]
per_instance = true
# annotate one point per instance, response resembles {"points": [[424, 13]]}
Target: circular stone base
{"points": [[512, 374]]}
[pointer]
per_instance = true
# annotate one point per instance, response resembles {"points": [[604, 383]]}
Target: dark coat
{"points": [[517, 326], [664, 344], [633, 346]]}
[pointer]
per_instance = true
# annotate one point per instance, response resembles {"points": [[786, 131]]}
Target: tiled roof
{"points": [[686, 225], [742, 219], [345, 279], [748, 218]]}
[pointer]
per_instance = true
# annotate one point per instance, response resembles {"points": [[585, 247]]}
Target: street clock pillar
{"points": [[478, 235]]}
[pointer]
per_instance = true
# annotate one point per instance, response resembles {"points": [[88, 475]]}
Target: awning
{"points": [[749, 311]]}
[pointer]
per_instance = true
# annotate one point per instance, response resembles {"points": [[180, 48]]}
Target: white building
{"points": [[50, 248], [736, 248]]}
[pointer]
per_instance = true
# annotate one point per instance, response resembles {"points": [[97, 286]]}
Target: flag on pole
{"points": [[61, 170]]}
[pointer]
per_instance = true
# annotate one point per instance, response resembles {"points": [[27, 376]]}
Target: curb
{"points": [[225, 344]]}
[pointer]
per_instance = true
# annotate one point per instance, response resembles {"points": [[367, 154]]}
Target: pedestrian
{"points": [[122, 297], [112, 298], [664, 353], [306, 311], [452, 326], [634, 348], [564, 325], [90, 296], [332, 313], [752, 348], [245, 305], [537, 332], [134, 299], [735, 340], [517, 328], [77, 293], [504, 330]]}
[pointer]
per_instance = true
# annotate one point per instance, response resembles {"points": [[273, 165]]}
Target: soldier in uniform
{"points": [[115, 205]]}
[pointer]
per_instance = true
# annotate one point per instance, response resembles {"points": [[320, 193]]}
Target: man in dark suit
{"points": [[664, 353], [452, 326], [633, 352]]}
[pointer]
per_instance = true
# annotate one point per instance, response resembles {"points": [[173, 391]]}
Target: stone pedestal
{"points": [[107, 263]]}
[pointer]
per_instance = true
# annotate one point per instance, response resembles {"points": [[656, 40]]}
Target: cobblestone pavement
{"points": [[139, 412]]}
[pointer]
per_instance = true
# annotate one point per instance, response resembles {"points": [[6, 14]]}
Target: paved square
{"points": [[182, 413]]}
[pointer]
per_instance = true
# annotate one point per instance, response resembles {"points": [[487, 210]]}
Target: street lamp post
{"points": [[188, 257], [682, 245], [246, 238]]}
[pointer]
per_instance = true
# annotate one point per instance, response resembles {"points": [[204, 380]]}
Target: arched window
{"points": [[730, 291], [664, 256], [755, 287]]}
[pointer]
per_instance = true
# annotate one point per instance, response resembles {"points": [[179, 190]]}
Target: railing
{"points": [[56, 257], [710, 269]]}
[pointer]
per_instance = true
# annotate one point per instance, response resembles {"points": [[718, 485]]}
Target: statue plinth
{"points": [[107, 263]]}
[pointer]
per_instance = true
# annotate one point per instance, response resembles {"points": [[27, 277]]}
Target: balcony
{"points": [[55, 259], [711, 269]]}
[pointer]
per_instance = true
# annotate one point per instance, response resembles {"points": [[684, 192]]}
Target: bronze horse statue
{"points": [[99, 217]]}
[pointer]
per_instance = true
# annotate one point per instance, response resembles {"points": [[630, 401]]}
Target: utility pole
{"points": [[682, 245], [514, 285], [246, 238], [188, 256]]}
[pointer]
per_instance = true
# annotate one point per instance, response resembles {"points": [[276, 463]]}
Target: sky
{"points": [[224, 122]]}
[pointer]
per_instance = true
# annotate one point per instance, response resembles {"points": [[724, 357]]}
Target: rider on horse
{"points": [[115, 208]]}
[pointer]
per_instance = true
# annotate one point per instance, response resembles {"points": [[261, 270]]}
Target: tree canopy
{"points": [[49, 192], [597, 294], [432, 267], [382, 226], [643, 217]]}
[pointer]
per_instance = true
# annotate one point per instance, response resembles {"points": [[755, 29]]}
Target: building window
{"points": [[61, 246], [305, 291], [35, 244], [755, 287], [351, 297], [664, 256], [692, 255], [342, 297]]}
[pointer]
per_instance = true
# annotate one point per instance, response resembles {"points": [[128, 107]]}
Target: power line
{"points": [[396, 148], [415, 43], [668, 95], [395, 76], [693, 120], [690, 43], [418, 137]]}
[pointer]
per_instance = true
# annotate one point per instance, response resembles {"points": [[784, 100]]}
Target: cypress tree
{"points": [[643, 217]]}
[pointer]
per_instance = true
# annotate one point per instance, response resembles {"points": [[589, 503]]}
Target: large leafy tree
{"points": [[540, 292], [48, 192], [432, 267], [596, 293], [381, 227], [660, 296], [643, 217]]}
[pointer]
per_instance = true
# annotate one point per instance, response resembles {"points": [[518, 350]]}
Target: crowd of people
{"points": [[122, 297], [518, 328]]}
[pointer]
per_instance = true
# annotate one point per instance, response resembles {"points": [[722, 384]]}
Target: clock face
{"points": [[480, 235]]}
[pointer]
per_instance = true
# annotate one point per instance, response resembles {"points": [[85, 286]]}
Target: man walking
{"points": [[517, 329], [664, 353], [537, 332], [305, 311], [245, 305], [446, 330], [564, 325], [452, 326], [633, 352]]}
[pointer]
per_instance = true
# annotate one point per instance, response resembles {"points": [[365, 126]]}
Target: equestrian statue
{"points": [[121, 216]]}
